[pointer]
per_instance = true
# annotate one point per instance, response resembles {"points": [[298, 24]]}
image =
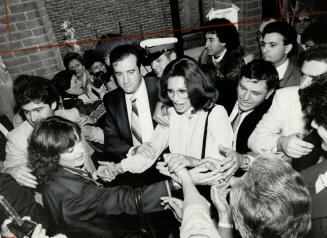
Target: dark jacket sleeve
{"points": [[116, 145], [93, 201]]}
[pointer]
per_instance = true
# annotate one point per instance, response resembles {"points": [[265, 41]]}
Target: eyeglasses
{"points": [[181, 93]]}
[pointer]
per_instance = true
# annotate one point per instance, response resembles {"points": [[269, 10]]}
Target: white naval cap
{"points": [[158, 44]]}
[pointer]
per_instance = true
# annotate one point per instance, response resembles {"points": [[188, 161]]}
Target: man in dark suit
{"points": [[128, 121], [118, 130], [254, 96]]}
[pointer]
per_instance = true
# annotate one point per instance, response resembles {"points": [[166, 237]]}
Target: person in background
{"points": [[159, 53], [82, 84], [279, 43]]}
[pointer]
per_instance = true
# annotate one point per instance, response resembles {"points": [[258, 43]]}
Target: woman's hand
{"points": [[176, 162], [174, 204], [219, 194]]}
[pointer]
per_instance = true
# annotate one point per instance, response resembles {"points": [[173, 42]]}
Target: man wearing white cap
{"points": [[160, 52]]}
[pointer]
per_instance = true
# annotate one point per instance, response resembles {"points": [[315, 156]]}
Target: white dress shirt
{"points": [[281, 69]]}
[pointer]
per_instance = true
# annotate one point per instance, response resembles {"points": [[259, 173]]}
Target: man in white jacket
{"points": [[282, 128]]}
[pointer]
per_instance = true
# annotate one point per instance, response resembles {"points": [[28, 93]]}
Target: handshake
{"points": [[107, 171]]}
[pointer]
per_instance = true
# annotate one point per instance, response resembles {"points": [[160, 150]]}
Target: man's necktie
{"points": [[135, 124], [236, 121]]}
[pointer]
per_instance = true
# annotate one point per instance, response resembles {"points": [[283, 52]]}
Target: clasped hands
{"points": [[208, 171], [107, 171]]}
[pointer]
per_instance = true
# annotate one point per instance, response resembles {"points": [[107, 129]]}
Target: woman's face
{"points": [[178, 94], [77, 67], [74, 156]]}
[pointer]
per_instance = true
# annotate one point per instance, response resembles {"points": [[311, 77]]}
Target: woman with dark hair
{"points": [[79, 205], [197, 126]]}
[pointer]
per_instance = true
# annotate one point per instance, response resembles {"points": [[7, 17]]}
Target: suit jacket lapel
{"points": [[122, 116], [287, 74]]}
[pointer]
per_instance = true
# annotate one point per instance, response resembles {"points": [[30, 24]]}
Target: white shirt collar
{"points": [[281, 69], [221, 56]]}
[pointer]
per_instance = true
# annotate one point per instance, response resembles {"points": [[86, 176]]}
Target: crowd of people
{"points": [[132, 140]]}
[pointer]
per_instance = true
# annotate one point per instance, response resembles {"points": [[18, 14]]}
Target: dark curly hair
{"points": [[71, 56], [201, 90], [314, 101], [50, 138], [31, 88], [225, 31]]}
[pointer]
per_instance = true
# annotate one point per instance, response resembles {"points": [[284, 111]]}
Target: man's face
{"points": [[310, 69], [77, 66], [36, 111], [273, 48], [322, 133], [127, 74], [251, 93], [159, 64], [97, 67], [213, 45]]}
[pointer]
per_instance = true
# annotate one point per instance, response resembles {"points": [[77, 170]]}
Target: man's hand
{"points": [[23, 176], [161, 115], [293, 146], [147, 150], [231, 163], [174, 204], [106, 171]]}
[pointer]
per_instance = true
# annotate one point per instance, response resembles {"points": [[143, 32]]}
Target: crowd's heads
{"points": [[271, 200], [278, 42], [107, 43], [126, 61], [261, 70], [37, 97], [199, 88], [94, 62], [314, 104], [74, 61], [259, 80], [314, 66], [122, 51], [30, 88], [313, 35], [159, 52], [225, 31], [314, 101], [51, 138], [62, 81]]}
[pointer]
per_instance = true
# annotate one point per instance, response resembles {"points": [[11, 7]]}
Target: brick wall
{"points": [[30, 28], [98, 17]]}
